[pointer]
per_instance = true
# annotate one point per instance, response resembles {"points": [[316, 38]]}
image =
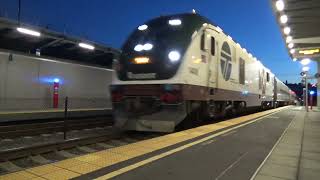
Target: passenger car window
{"points": [[241, 71]]}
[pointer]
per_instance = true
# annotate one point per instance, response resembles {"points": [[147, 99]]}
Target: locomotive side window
{"points": [[241, 71], [202, 46], [213, 46]]}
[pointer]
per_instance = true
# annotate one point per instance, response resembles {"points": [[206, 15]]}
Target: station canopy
{"points": [[33, 40], [299, 21]]}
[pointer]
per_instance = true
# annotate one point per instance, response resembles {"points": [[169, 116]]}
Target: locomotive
{"points": [[182, 68]]}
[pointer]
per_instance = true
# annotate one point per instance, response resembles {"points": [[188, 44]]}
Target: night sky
{"points": [[249, 22]]}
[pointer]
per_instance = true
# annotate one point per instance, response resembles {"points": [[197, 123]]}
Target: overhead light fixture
{"points": [[86, 46], [287, 30], [305, 61], [292, 51], [280, 5], [284, 19], [175, 22], [28, 31], [289, 39], [143, 27], [290, 45]]}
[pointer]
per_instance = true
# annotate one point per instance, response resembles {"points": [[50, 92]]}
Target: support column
{"points": [[318, 86]]}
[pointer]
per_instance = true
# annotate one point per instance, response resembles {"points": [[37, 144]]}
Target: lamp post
{"points": [[305, 71]]}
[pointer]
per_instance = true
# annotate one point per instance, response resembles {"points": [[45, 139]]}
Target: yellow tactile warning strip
{"points": [[78, 166]]}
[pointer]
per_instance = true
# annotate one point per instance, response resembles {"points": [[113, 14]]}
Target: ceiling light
{"points": [[280, 5], [28, 31], [86, 46], [292, 51], [289, 39], [290, 45], [284, 19], [305, 61], [286, 30]]}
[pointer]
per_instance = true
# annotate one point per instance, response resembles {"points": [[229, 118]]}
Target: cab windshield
{"points": [[164, 37]]}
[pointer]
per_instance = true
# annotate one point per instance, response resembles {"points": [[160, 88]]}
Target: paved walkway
{"points": [[297, 154]]}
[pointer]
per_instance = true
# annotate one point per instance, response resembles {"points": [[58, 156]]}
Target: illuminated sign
{"points": [[141, 60], [309, 51]]}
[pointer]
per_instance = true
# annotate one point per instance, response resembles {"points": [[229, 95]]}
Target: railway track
{"points": [[36, 127], [12, 160]]}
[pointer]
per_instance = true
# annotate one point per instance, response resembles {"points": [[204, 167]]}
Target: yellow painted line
{"points": [[157, 157], [80, 165]]}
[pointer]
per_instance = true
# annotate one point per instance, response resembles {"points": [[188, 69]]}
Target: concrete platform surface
{"points": [[297, 153]]}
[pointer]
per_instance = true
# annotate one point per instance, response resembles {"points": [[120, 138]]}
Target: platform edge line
{"points": [[269, 154]]}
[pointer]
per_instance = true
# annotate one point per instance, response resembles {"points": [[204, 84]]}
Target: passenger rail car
{"points": [[180, 66]]}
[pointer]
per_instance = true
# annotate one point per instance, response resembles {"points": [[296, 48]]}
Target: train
{"points": [[182, 68]]}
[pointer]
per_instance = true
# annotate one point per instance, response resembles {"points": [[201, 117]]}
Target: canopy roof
{"points": [[53, 44], [303, 19]]}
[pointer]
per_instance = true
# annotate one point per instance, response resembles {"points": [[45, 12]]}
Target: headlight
{"points": [[138, 47], [174, 22], [143, 27], [174, 56], [147, 47]]}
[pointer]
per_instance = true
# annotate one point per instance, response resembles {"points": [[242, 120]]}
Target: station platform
{"points": [[238, 148], [7, 116], [296, 155]]}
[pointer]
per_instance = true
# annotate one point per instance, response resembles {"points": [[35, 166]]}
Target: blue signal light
{"points": [[56, 80]]}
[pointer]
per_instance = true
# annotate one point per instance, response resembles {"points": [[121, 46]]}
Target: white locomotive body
{"points": [[179, 68]]}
